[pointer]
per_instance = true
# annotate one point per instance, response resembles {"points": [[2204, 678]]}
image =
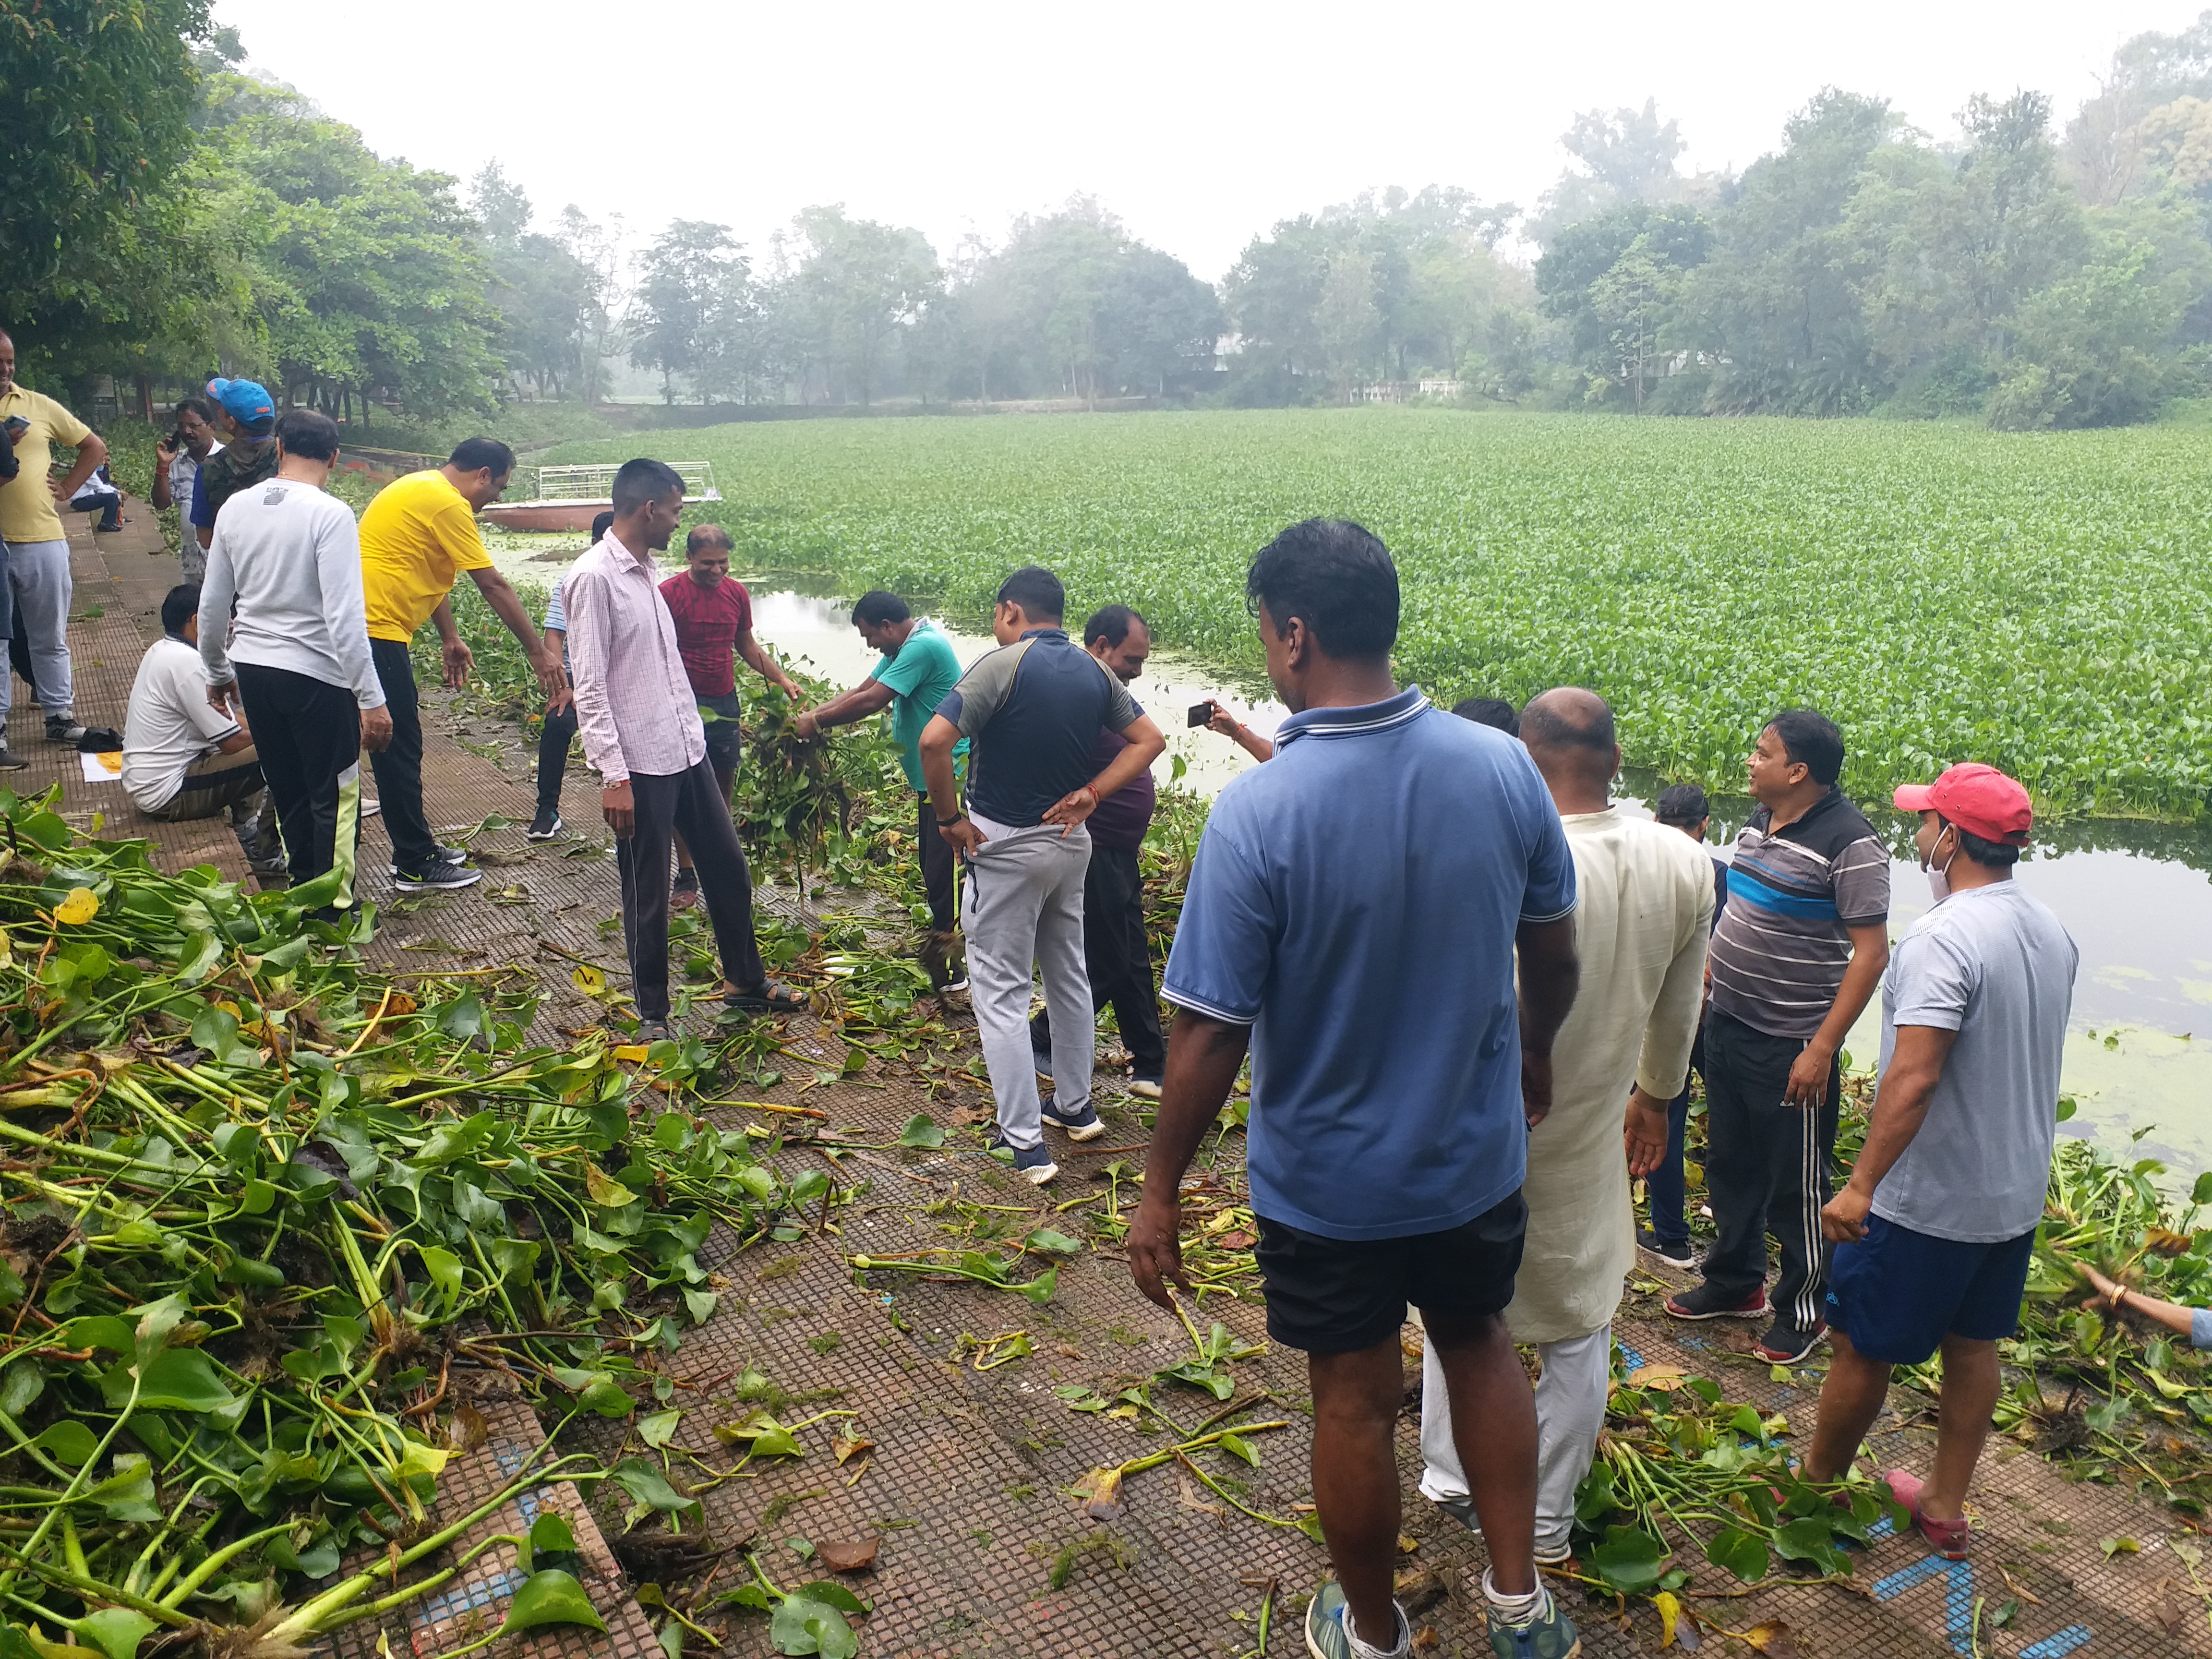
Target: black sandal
{"points": [[768, 997]]}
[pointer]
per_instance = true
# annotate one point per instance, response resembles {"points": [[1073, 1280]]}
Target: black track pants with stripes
{"points": [[1766, 1167]]}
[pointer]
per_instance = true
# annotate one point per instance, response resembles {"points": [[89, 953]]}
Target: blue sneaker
{"points": [[1084, 1126], [1329, 1629], [1033, 1163], [1549, 1635]]}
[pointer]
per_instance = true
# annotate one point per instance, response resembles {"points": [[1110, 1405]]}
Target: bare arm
{"points": [[1145, 745], [2171, 1315], [90, 454], [870, 696], [234, 742], [1550, 974], [1808, 1074], [1259, 748], [163, 454], [757, 658], [1901, 1107], [1204, 1054], [507, 605], [939, 739]]}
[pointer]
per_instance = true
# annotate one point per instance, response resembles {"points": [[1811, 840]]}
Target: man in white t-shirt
{"points": [[182, 757]]}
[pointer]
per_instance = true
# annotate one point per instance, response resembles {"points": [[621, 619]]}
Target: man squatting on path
{"points": [[295, 651], [1116, 954], [1644, 905], [1032, 710], [559, 730], [1799, 951], [643, 736], [1375, 876], [918, 671]]}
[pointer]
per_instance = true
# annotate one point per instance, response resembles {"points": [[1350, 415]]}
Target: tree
{"points": [[2093, 349], [597, 250], [857, 286], [1632, 299], [544, 293], [682, 286], [1612, 280], [2103, 145]]}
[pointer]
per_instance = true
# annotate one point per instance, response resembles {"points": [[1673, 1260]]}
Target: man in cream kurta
{"points": [[1640, 930]]}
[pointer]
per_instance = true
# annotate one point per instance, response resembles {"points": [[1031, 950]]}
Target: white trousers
{"points": [[1569, 1411], [1021, 910]]}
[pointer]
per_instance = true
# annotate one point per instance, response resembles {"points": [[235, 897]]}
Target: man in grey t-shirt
{"points": [[1934, 1230]]}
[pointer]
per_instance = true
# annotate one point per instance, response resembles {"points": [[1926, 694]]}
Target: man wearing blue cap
{"points": [[248, 455]]}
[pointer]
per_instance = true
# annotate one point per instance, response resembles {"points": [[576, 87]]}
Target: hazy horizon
{"points": [[1198, 127]]}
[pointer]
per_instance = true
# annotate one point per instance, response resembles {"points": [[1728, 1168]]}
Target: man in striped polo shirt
{"points": [[1800, 949]]}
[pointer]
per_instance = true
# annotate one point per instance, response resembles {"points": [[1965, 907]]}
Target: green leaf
{"points": [[68, 1442], [128, 1494], [2066, 1108], [832, 1594], [700, 1304], [549, 1531], [116, 1632], [1809, 1538], [551, 1597], [608, 1398], [1044, 1239], [921, 1131], [1236, 1447], [1743, 1553], [1594, 1498], [1039, 1290], [177, 1379], [445, 1270], [803, 1625], [463, 1017], [659, 1429], [649, 1486], [450, 1141], [2202, 1192], [1629, 1560]]}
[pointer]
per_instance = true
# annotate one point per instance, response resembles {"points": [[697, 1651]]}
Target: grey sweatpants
{"points": [[1569, 1411], [37, 575], [1022, 909]]}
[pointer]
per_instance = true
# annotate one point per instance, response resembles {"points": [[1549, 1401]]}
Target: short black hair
{"points": [[601, 524], [1997, 855], [1489, 711], [708, 532], [878, 606], [1037, 591], [478, 454], [643, 482], [1111, 622], [1811, 740], [1335, 576], [308, 434], [178, 606], [1683, 806], [198, 405]]}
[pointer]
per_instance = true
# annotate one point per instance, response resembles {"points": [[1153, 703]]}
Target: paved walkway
{"points": [[966, 1485]]}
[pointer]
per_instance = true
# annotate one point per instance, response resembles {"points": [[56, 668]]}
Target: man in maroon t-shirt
{"points": [[1115, 951], [714, 618]]}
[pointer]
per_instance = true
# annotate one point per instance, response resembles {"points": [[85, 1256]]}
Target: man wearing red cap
{"points": [[1934, 1231]]}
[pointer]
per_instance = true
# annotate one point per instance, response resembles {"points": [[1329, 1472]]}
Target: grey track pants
{"points": [[1023, 910]]}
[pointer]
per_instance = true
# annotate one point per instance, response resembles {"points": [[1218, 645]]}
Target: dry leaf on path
{"points": [[1666, 1378], [1100, 1492], [467, 1430], [846, 1448], [848, 1554]]}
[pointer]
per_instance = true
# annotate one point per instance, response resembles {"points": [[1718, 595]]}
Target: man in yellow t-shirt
{"points": [[34, 567], [418, 535]]}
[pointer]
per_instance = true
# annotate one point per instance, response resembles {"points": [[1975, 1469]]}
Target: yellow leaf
{"points": [[1669, 1611], [1100, 1492], [605, 1189], [632, 1052], [80, 907], [2171, 1389], [588, 980], [1666, 1378], [1407, 1543]]}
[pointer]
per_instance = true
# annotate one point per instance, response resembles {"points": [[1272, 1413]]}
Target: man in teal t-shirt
{"points": [[918, 669]]}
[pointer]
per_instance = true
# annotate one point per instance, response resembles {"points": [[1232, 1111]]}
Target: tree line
{"points": [[167, 211]]}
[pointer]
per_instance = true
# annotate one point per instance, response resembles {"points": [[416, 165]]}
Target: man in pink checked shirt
{"points": [[643, 736]]}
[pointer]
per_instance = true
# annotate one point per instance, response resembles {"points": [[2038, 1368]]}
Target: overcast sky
{"points": [[1199, 123]]}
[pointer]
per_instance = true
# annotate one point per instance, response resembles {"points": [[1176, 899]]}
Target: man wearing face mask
{"points": [[1933, 1233]]}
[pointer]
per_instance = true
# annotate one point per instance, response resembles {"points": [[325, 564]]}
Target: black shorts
{"points": [[1339, 1295], [723, 750]]}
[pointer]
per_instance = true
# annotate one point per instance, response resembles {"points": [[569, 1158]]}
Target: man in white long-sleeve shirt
{"points": [[1646, 907], [643, 736], [296, 652]]}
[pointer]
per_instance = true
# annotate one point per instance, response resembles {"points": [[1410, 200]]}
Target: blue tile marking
{"points": [[2052, 1647], [1630, 1359], [1958, 1595], [480, 1594], [1693, 1342], [1882, 1527]]}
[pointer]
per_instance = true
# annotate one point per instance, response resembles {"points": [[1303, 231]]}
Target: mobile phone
{"points": [[16, 425], [1200, 712]]}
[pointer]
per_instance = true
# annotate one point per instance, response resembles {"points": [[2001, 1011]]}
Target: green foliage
{"points": [[1944, 593]]}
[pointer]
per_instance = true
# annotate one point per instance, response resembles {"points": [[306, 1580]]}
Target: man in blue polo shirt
{"points": [[1032, 711], [1351, 921]]}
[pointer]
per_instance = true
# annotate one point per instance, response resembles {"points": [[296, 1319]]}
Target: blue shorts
{"points": [[1898, 1293]]}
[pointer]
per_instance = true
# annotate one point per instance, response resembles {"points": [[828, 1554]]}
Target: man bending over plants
{"points": [[1352, 922], [1935, 1229], [643, 736]]}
